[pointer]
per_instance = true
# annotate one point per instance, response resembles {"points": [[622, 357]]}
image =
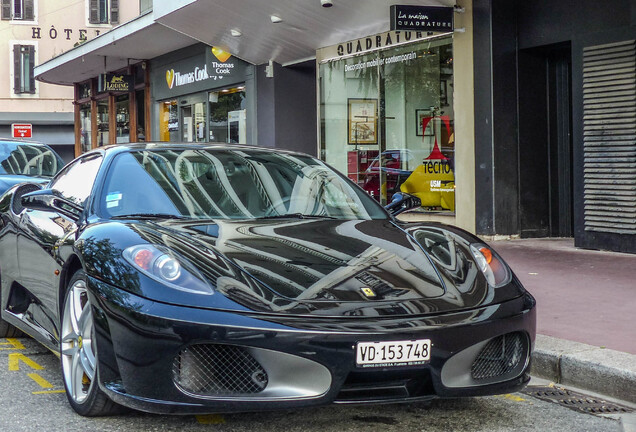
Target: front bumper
{"points": [[309, 361]]}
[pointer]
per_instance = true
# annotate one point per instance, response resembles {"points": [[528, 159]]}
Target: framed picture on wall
{"points": [[362, 117], [421, 114]]}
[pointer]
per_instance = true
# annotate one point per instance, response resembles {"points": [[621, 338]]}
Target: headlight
{"points": [[162, 265], [491, 265]]}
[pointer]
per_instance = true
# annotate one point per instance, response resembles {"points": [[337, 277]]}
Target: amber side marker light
{"points": [[491, 265], [487, 253]]}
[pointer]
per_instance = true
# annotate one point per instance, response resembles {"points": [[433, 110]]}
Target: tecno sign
{"points": [[21, 130]]}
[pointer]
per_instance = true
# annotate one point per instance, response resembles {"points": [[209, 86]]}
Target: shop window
{"points": [[227, 118], [102, 122], [84, 90], [387, 121], [103, 11], [85, 127], [168, 120], [18, 10], [193, 122], [23, 64], [122, 119]]}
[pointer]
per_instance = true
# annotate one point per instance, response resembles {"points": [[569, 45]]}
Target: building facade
{"points": [[556, 120], [32, 32]]}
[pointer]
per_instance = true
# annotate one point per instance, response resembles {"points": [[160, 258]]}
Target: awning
{"points": [[304, 27]]}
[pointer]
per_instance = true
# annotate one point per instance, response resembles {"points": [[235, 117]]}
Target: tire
{"points": [[78, 353], [8, 331]]}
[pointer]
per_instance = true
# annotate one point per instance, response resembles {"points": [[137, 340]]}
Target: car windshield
{"points": [[30, 160], [230, 184]]}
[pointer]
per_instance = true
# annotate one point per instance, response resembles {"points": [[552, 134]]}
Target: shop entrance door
{"points": [[545, 142], [193, 123]]}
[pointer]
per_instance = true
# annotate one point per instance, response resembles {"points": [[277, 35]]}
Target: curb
{"points": [[605, 371]]}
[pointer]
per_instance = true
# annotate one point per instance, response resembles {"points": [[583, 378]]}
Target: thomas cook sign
{"points": [[115, 83], [426, 18]]}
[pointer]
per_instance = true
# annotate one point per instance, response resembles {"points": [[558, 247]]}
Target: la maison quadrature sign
{"points": [[426, 18]]}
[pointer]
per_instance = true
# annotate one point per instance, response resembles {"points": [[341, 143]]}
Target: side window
{"points": [[76, 181]]}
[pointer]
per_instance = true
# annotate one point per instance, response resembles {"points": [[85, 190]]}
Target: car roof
{"points": [[22, 141], [121, 148]]}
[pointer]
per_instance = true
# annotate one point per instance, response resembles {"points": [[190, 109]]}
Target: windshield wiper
{"points": [[296, 216], [150, 216]]}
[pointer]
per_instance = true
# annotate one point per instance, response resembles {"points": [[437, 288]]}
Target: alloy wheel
{"points": [[77, 349]]}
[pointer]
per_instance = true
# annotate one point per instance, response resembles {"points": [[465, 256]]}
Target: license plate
{"points": [[393, 353]]}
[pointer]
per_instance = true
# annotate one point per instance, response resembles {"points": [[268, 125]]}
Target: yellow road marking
{"points": [[14, 362], [47, 392], [15, 344], [41, 381], [210, 419], [513, 398]]}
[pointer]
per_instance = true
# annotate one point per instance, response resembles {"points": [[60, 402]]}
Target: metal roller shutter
{"points": [[609, 125]]}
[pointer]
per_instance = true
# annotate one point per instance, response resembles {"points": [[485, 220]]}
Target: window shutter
{"points": [[609, 139], [6, 9], [16, 68], [28, 14], [114, 11], [93, 12], [31, 69]]}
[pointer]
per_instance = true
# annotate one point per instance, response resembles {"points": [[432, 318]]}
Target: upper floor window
{"points": [[23, 64], [145, 6], [18, 10], [103, 11]]}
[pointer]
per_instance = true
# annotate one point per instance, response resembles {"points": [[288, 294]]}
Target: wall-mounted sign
{"points": [[115, 83], [23, 130], [369, 44], [202, 71], [427, 18]]}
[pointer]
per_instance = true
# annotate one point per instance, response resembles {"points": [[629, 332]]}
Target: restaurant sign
{"points": [[426, 18]]}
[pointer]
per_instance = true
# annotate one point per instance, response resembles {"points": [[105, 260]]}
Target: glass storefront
{"points": [[227, 115], [387, 120], [112, 108], [184, 119]]}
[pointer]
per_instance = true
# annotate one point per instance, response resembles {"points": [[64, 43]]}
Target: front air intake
{"points": [[501, 356], [212, 370]]}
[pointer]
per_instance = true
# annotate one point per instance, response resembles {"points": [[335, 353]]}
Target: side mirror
{"points": [[402, 202], [51, 200]]}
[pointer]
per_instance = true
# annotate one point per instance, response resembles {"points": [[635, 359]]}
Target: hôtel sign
{"points": [[426, 18]]}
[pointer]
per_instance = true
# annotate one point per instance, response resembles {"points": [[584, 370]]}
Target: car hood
{"points": [[6, 181], [324, 267]]}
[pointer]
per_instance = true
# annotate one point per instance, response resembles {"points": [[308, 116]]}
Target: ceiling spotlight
{"points": [[275, 18], [236, 32], [326, 3]]}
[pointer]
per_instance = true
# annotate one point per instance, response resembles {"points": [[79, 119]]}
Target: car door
{"points": [[42, 232]]}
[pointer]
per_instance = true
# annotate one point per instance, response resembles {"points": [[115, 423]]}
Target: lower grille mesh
{"points": [[499, 357], [218, 370]]}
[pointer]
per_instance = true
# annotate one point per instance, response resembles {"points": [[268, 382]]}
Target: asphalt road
{"points": [[31, 398]]}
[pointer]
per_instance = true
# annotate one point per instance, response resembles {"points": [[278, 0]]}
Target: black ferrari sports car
{"points": [[177, 278]]}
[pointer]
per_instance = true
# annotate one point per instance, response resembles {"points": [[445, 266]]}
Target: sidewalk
{"points": [[586, 313]]}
